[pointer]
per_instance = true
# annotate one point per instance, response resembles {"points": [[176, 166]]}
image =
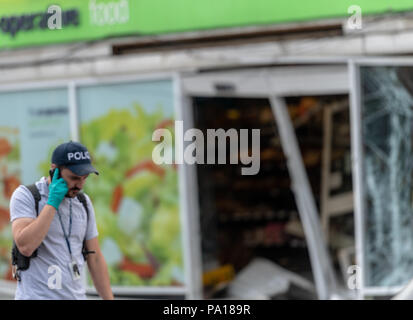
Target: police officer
{"points": [[59, 231]]}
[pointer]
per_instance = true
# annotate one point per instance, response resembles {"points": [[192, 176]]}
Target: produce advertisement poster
{"points": [[31, 124], [136, 201]]}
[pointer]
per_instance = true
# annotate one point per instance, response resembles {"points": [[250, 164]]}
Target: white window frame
{"points": [[275, 84], [357, 167]]}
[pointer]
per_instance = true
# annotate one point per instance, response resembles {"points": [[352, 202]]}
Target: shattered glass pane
{"points": [[387, 100]]}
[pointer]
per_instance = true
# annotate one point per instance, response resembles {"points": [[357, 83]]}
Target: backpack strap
{"points": [[81, 197], [36, 195]]}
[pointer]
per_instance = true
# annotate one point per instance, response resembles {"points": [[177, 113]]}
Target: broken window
{"points": [[386, 113]]}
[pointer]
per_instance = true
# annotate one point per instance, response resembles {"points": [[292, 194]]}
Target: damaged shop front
{"points": [[331, 205], [327, 215]]}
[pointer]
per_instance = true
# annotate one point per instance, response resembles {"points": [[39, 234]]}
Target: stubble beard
{"points": [[72, 193]]}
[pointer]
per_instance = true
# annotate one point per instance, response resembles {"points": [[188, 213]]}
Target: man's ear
{"points": [[53, 166]]}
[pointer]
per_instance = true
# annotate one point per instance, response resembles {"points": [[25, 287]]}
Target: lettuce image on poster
{"points": [[136, 201]]}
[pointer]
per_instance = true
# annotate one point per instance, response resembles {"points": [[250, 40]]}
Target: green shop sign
{"points": [[25, 22]]}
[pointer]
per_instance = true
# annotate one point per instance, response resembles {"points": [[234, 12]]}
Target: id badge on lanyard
{"points": [[74, 270], [73, 266]]}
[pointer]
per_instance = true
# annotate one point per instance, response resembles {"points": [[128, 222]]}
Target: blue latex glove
{"points": [[57, 190]]}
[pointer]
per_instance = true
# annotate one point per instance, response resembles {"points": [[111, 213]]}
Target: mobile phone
{"points": [[51, 173]]}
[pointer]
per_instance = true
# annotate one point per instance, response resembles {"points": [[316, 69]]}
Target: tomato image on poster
{"points": [[9, 181]]}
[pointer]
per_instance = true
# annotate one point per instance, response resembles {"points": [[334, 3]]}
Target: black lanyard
{"points": [[67, 236]]}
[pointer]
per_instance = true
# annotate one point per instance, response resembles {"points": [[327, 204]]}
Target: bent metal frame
{"points": [[274, 84]]}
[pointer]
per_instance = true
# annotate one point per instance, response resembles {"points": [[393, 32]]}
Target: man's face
{"points": [[74, 182]]}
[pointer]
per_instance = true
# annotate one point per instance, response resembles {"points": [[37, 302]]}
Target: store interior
{"points": [[253, 243]]}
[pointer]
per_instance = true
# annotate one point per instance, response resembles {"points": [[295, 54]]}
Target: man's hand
{"points": [[57, 190]]}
